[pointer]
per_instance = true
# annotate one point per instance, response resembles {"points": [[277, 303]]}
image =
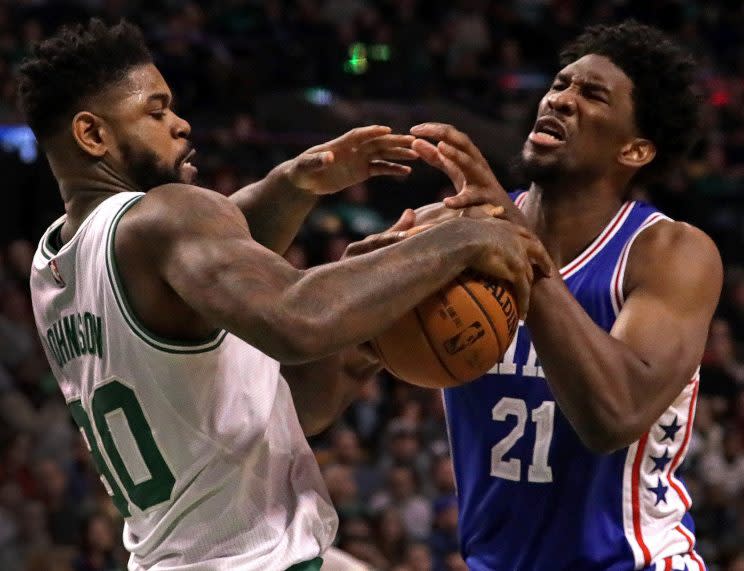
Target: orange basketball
{"points": [[452, 337]]}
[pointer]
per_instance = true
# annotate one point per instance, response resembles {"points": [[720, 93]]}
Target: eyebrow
{"points": [[163, 98], [591, 84]]}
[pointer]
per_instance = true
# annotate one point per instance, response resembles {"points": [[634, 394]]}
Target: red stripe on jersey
{"points": [[668, 564], [690, 542], [520, 200], [635, 487], [622, 262], [681, 452], [618, 272], [603, 239], [696, 559]]}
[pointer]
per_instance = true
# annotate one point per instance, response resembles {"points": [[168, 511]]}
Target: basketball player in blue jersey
{"points": [[567, 453]]}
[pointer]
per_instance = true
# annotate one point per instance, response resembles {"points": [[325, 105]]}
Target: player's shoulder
{"points": [[172, 214], [671, 238], [170, 210], [673, 250]]}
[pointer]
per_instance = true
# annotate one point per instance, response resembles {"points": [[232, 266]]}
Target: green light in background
{"points": [[357, 62], [379, 52]]}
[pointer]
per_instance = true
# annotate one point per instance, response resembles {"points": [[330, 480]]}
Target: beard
{"points": [[527, 171], [145, 169]]}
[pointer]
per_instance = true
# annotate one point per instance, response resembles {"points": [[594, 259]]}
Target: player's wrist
{"points": [[283, 178]]}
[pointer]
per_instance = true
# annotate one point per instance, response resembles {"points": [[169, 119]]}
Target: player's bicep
{"points": [[676, 276], [208, 258]]}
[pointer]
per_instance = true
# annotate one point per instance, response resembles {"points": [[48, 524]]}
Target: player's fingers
{"points": [[374, 242], [522, 292], [475, 169], [495, 211], [418, 229], [465, 199], [431, 155], [382, 168], [448, 133], [539, 256], [387, 141], [395, 154], [406, 221], [428, 153], [359, 135]]}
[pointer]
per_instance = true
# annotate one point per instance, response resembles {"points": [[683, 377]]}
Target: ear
{"points": [[638, 153], [89, 133]]}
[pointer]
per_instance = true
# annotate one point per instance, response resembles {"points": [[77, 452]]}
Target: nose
{"points": [[181, 128], [562, 101]]}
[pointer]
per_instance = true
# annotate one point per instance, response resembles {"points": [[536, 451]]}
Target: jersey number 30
{"points": [[538, 471], [148, 481]]}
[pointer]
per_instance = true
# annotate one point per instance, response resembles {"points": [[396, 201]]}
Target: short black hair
{"points": [[665, 103], [77, 62]]}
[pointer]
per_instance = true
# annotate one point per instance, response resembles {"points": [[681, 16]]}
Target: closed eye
{"points": [[596, 96]]}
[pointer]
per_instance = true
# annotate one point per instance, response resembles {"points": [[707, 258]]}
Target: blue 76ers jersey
{"points": [[532, 497]]}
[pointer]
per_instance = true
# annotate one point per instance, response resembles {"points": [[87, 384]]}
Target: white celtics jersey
{"points": [[197, 443]]}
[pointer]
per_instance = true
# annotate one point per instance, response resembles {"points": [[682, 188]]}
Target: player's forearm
{"points": [[274, 208], [346, 303], [608, 393]]}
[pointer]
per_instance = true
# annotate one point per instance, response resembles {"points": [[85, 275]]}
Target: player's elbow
{"points": [[301, 339], [314, 425], [609, 436]]}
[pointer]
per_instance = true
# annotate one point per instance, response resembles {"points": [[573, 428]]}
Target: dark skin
{"points": [[614, 386], [190, 264]]}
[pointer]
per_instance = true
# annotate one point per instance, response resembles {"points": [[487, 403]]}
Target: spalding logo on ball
{"points": [[452, 337]]}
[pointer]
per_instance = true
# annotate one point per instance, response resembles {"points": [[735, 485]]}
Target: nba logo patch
{"points": [[55, 273]]}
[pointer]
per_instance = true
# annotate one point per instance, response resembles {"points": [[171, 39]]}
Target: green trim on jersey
{"points": [[152, 339], [313, 565], [47, 247]]}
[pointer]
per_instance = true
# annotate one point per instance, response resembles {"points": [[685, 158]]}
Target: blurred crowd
{"points": [[253, 76]]}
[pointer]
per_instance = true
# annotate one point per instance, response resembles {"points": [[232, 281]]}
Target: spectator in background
{"points": [[63, 517], [391, 535], [98, 544], [418, 557], [724, 467], [404, 447], [443, 539], [723, 373], [403, 491], [343, 491], [366, 414]]}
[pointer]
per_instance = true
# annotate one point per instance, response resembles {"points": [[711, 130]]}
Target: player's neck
{"points": [[85, 187], [567, 220]]}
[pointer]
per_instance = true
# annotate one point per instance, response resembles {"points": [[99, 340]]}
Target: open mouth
{"points": [[186, 161], [188, 170], [548, 132]]}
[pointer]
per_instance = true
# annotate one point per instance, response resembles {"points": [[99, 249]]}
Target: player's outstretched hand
{"points": [[402, 229], [352, 158], [458, 157], [509, 251]]}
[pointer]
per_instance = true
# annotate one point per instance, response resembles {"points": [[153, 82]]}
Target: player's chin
{"points": [[536, 159]]}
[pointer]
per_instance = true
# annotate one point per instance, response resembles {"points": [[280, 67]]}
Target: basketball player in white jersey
{"points": [[169, 324]]}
